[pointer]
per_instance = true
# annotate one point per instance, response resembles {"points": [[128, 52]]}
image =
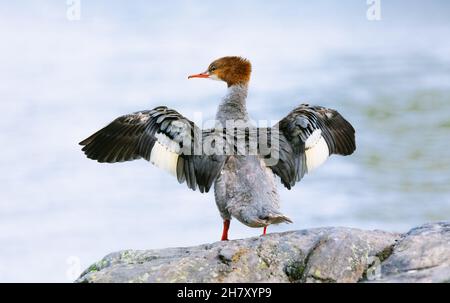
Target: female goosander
{"points": [[244, 184]]}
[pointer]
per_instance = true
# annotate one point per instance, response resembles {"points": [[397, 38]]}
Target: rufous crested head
{"points": [[233, 70]]}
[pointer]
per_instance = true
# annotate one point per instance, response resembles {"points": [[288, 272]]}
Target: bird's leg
{"points": [[264, 231], [226, 227]]}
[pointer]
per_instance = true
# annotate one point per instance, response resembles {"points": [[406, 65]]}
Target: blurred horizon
{"points": [[62, 80]]}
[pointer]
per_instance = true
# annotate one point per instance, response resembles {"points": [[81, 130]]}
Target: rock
{"points": [[314, 255], [421, 255]]}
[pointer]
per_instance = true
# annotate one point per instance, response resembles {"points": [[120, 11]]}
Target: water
{"points": [[61, 80]]}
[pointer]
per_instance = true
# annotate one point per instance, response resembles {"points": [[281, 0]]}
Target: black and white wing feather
{"points": [[307, 137], [162, 136]]}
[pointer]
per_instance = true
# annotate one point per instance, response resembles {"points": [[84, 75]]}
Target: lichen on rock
{"points": [[332, 254]]}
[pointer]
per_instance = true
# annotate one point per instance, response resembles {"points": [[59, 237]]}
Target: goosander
{"points": [[244, 184]]}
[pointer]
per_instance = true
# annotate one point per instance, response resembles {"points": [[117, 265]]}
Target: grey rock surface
{"points": [[421, 255], [332, 254]]}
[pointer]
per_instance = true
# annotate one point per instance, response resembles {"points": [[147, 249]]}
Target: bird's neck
{"points": [[233, 105]]}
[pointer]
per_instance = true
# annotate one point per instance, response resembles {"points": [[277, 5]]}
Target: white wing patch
{"points": [[168, 143], [316, 150], [165, 154]]}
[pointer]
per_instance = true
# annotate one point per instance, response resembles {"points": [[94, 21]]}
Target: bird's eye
{"points": [[212, 68]]}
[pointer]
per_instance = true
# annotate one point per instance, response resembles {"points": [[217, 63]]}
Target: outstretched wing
{"points": [[307, 137], [162, 136]]}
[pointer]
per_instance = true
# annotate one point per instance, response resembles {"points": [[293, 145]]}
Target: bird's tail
{"points": [[278, 218], [272, 218]]}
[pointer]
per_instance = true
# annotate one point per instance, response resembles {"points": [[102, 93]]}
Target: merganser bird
{"points": [[244, 184]]}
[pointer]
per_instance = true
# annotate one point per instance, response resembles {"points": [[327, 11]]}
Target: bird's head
{"points": [[232, 70]]}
